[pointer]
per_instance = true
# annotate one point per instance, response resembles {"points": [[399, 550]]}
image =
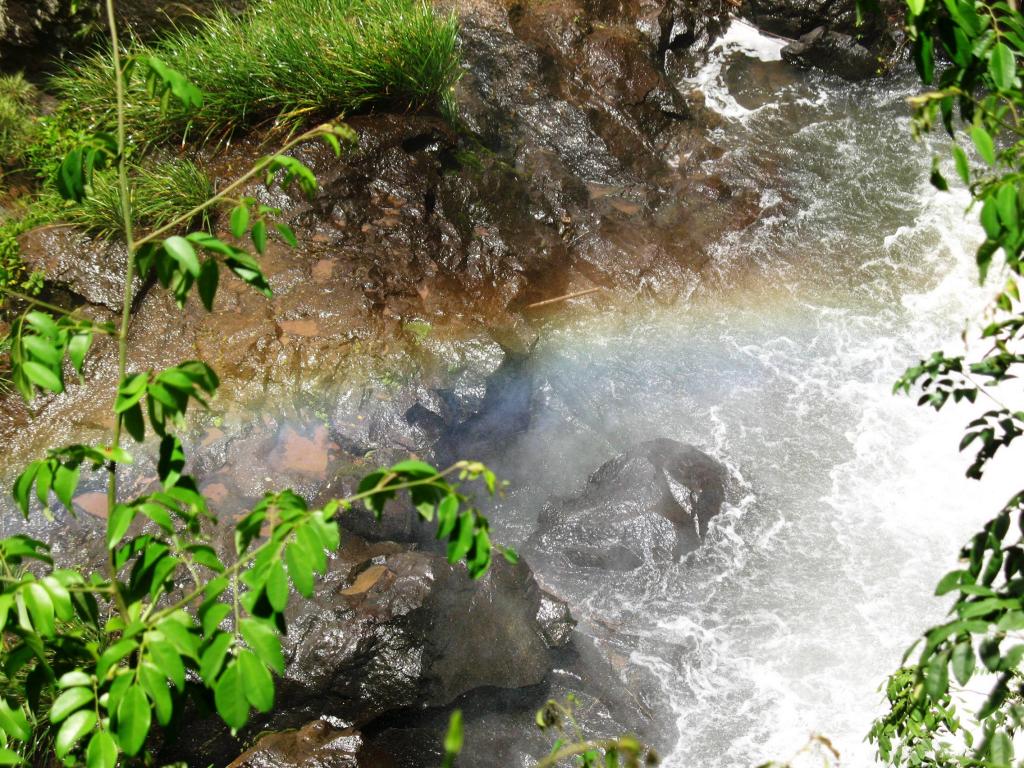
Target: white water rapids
{"points": [[848, 502]]}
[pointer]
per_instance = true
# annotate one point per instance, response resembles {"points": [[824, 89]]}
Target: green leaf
{"points": [[230, 698], [65, 482], [453, 739], [239, 220], [1000, 749], [40, 607], [264, 642], [214, 615], [133, 720], [181, 250], [983, 142], [936, 680], [78, 348], [259, 236], [1001, 67], [155, 684], [13, 722], [414, 468], [110, 657], [131, 391], [915, 6], [287, 234], [119, 523], [963, 661], [69, 701], [299, 568], [209, 277], [10, 757], [259, 685], [43, 377], [102, 751], [167, 659], [212, 660], [74, 728], [277, 587]]}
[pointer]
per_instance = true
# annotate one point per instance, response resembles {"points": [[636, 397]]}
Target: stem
{"points": [[39, 303], [129, 278]]}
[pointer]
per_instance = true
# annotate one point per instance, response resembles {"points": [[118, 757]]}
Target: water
{"points": [[847, 503]]}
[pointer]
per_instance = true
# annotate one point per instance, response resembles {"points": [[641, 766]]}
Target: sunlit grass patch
{"points": [[284, 61]]}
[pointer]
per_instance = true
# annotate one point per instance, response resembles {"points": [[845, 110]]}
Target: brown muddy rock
{"points": [[87, 267], [315, 745]]}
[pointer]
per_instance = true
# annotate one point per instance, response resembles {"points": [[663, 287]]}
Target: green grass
{"points": [[17, 108], [285, 61], [160, 193]]}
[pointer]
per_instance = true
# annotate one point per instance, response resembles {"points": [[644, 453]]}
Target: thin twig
{"points": [[566, 297]]}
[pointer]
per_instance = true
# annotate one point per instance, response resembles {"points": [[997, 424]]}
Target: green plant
{"points": [[17, 108], [160, 193], [96, 660], [14, 275], [968, 52], [281, 61]]}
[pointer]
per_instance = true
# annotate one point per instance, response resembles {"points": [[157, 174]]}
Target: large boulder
{"points": [[392, 628], [833, 52], [90, 268], [828, 36], [652, 504]]}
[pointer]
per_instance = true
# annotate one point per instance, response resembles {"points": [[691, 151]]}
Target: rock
{"points": [[391, 628], [652, 504], [315, 745], [503, 414], [833, 52], [842, 47], [385, 639], [555, 620], [31, 31], [91, 269]]}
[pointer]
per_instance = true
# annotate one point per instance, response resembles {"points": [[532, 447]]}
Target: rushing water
{"points": [[847, 503]]}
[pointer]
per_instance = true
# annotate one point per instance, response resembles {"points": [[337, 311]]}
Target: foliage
{"points": [[97, 661], [14, 275], [160, 193], [17, 108], [968, 52], [283, 60]]}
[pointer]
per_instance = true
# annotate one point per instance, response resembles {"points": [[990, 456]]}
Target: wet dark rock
{"points": [[35, 32], [89, 268], [833, 52], [503, 414], [393, 628], [385, 640], [842, 47], [651, 504]]}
